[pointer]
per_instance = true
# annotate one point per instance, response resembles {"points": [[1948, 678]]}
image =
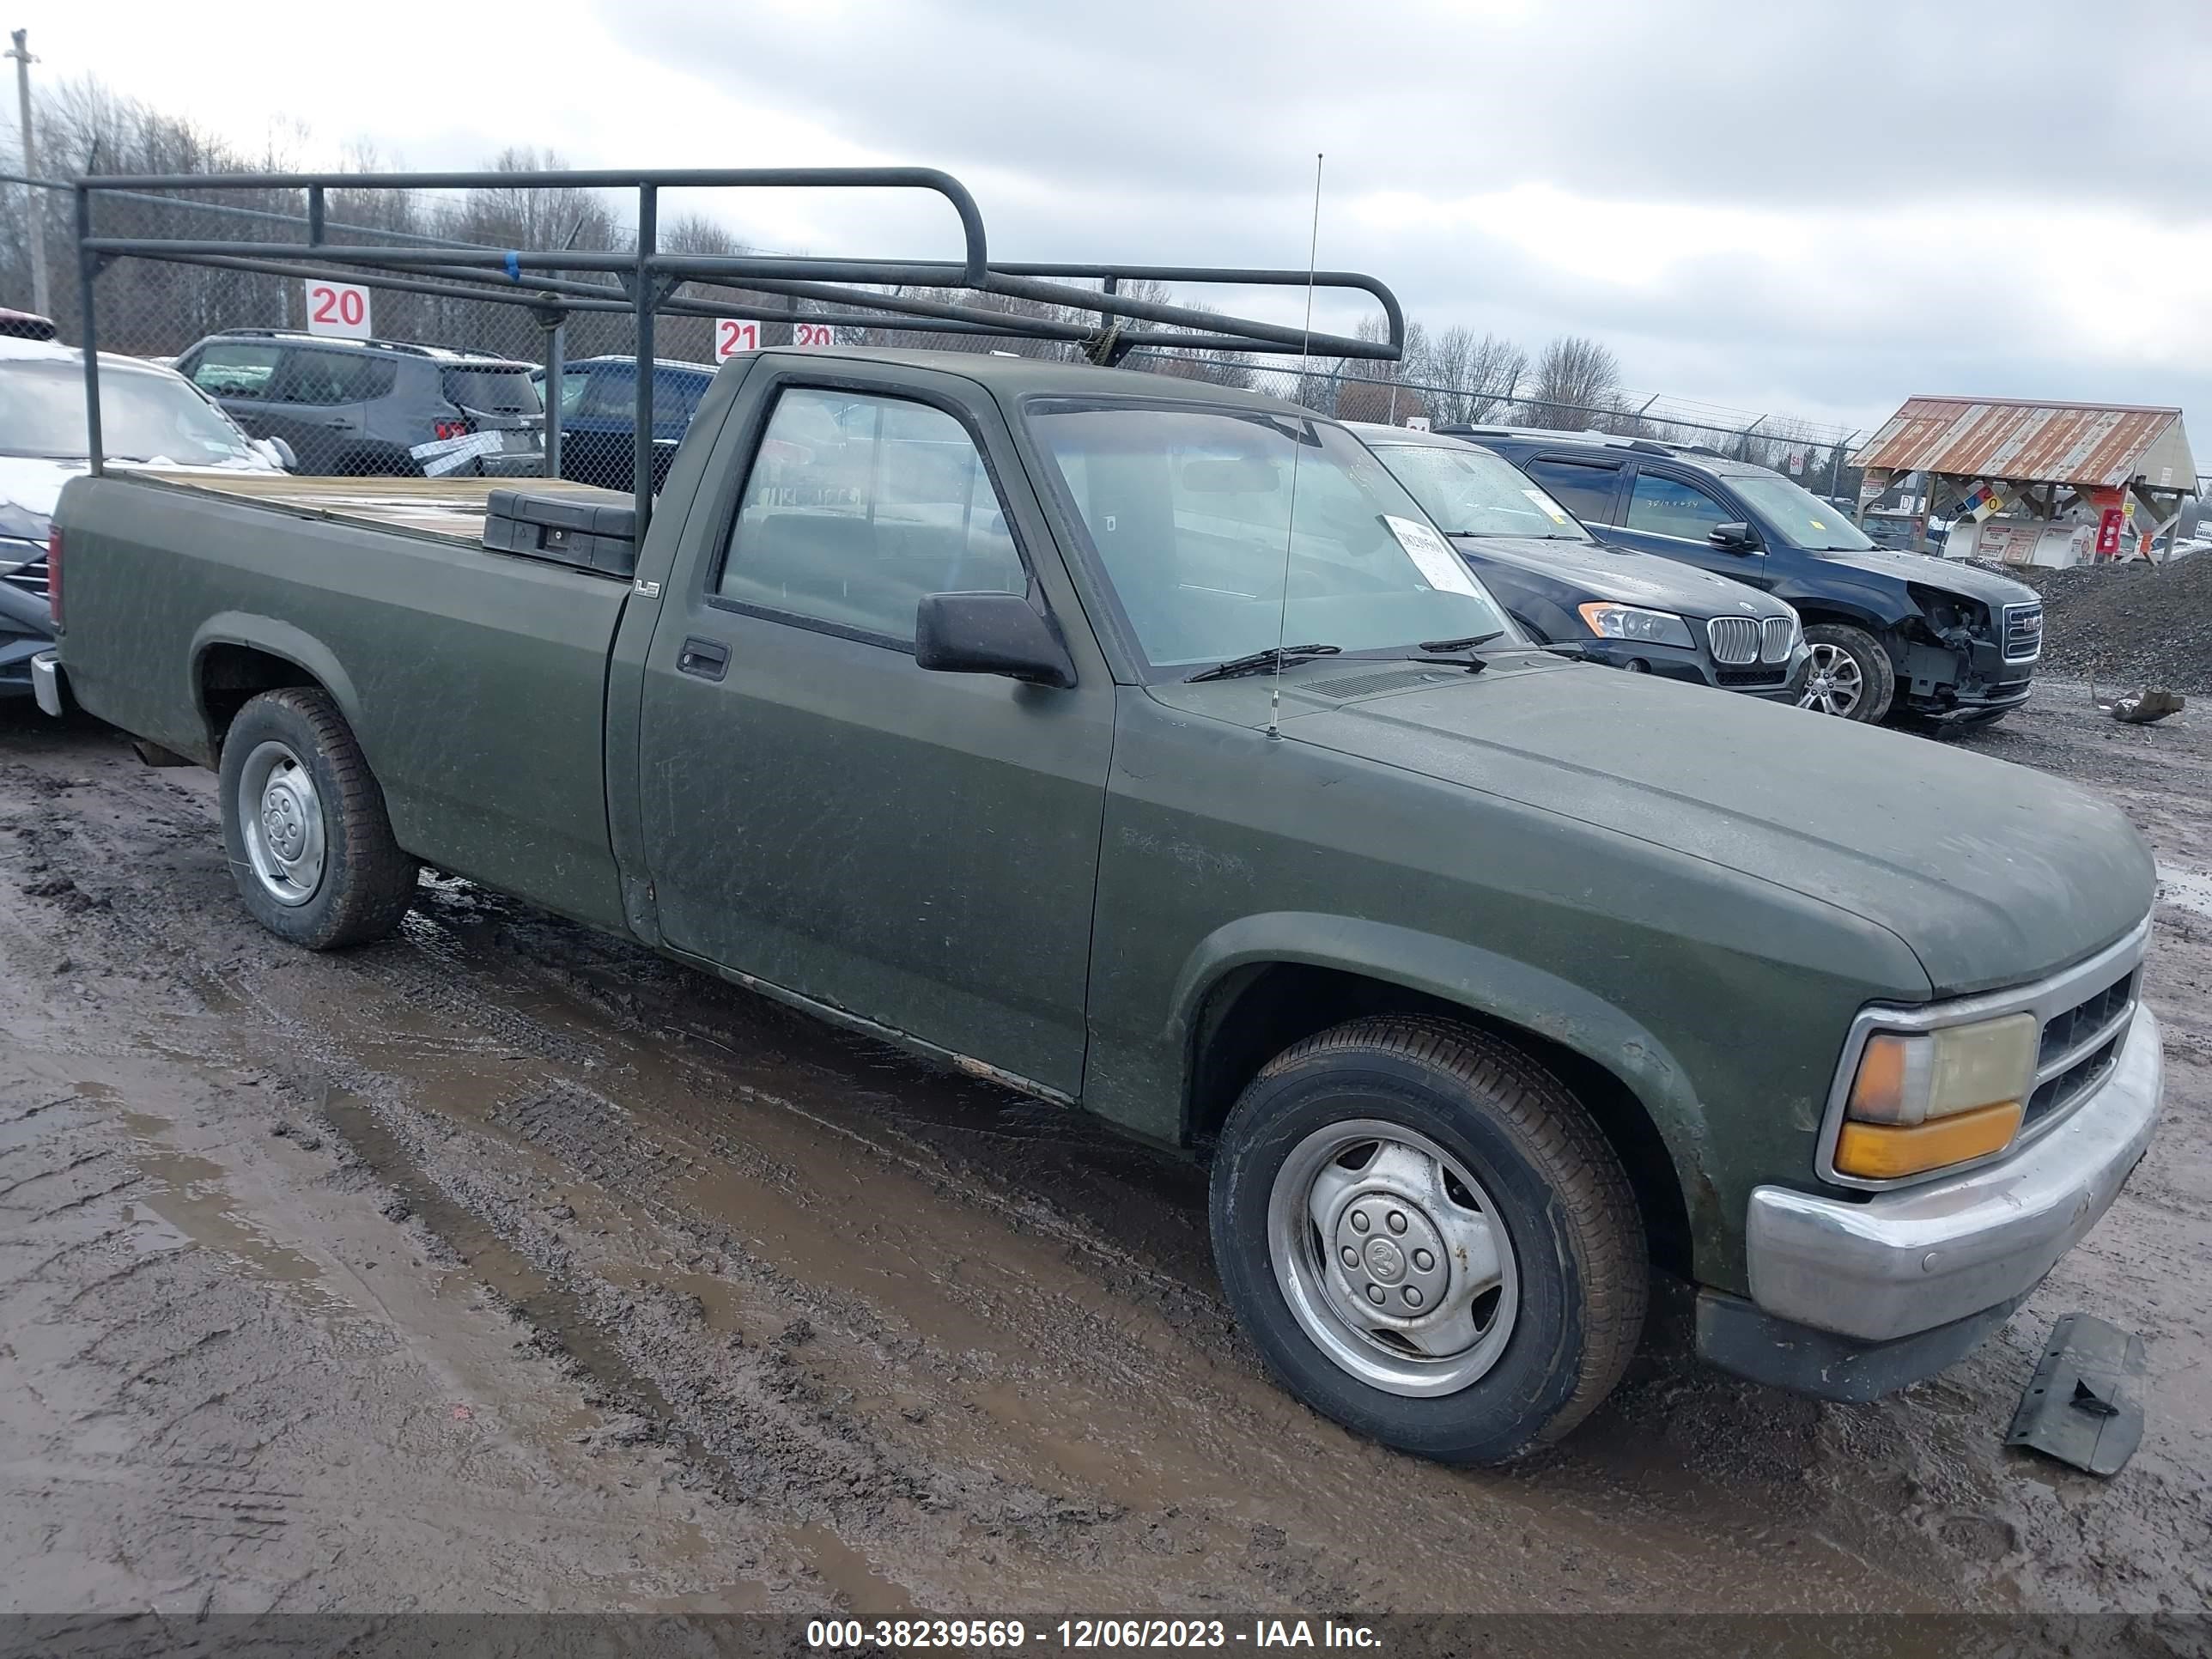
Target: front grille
{"points": [[2070, 1084], [2065, 1031], [1735, 639], [1781, 632], [2079, 1046], [2023, 632], [32, 577], [1734, 676]]}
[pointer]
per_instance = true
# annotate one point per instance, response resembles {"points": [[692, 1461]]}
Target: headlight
{"points": [[1924, 1099], [1628, 621]]}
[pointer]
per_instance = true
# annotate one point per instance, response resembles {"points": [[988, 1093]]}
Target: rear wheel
{"points": [[1849, 675], [1429, 1239], [304, 822]]}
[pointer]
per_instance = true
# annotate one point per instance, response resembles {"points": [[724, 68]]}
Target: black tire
{"points": [[1581, 1264], [365, 882], [1877, 677]]}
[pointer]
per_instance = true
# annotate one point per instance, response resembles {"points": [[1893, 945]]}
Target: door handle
{"points": [[708, 659]]}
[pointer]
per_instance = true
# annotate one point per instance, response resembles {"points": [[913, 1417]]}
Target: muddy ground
{"points": [[505, 1267]]}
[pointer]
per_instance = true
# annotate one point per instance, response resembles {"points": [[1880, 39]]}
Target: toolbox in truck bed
{"points": [[591, 529]]}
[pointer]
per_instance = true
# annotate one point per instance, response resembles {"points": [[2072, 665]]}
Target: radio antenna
{"points": [[1291, 523]]}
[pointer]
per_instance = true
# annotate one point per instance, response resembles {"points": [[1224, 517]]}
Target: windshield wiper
{"points": [[1473, 664], [1467, 644], [1261, 659]]}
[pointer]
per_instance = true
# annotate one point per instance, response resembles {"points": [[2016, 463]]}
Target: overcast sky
{"points": [[1814, 207]]}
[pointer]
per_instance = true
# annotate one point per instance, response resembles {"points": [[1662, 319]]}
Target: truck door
{"points": [[816, 812]]}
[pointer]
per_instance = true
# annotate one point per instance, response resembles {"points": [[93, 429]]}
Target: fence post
{"points": [[556, 361], [87, 269], [640, 452], [42, 301]]}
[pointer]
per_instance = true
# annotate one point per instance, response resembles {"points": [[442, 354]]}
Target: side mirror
{"points": [[281, 452], [989, 633], [1736, 537]]}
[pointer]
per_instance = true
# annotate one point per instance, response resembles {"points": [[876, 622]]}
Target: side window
{"points": [[575, 386], [1670, 506], [610, 395], [1584, 488], [857, 506], [325, 378], [223, 370]]}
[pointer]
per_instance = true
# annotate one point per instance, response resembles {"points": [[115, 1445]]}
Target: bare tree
{"points": [[1471, 377], [1580, 376]]}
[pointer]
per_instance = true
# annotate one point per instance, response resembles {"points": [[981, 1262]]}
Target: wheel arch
{"points": [[236, 657], [1851, 610], [1259, 986]]}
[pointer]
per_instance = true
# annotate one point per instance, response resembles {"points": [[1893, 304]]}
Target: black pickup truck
{"points": [[1900, 636]]}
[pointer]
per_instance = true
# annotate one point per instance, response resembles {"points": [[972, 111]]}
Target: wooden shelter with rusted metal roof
{"points": [[2037, 482]]}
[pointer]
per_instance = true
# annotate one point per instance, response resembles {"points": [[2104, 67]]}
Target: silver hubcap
{"points": [[1834, 684], [282, 818], [1392, 1258]]}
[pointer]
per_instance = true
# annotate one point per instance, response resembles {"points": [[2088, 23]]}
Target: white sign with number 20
{"points": [[339, 308]]}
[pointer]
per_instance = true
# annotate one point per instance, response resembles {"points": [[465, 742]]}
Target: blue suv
{"points": [[599, 416], [1894, 636]]}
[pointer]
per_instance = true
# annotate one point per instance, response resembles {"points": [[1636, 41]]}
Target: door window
{"points": [[324, 379], [856, 507], [236, 371], [1671, 507], [1584, 488]]}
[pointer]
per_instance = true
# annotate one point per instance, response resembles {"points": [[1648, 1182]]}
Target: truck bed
{"points": [[474, 680], [451, 508]]}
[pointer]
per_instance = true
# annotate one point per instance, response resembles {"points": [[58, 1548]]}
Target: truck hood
{"points": [[1991, 873], [1951, 575], [1621, 575]]}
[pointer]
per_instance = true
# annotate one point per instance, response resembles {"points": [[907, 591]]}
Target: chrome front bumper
{"points": [[1909, 1260], [46, 682]]}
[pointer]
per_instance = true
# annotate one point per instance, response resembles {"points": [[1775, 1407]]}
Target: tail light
{"points": [[54, 573], [450, 429]]}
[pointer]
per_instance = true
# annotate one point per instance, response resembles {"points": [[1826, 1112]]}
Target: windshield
{"points": [[1471, 492], [1802, 517], [495, 391], [144, 416], [1189, 510]]}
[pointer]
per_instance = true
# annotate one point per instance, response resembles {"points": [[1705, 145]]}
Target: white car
{"points": [[149, 416]]}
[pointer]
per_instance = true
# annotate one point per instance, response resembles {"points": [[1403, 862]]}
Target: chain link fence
{"points": [[1819, 458], [382, 374]]}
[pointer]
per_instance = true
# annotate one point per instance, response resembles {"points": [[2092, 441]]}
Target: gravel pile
{"points": [[2130, 624]]}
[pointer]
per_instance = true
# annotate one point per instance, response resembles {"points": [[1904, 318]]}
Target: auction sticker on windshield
{"points": [[1545, 504], [1433, 556]]}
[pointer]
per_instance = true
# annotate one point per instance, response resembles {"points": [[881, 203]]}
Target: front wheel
{"points": [[1429, 1239], [1849, 675], [304, 822]]}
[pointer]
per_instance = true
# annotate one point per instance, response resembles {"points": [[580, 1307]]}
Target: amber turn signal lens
{"points": [[1879, 1092], [1882, 1152]]}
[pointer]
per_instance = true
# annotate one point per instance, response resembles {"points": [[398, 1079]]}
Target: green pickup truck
{"points": [[1007, 711]]}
